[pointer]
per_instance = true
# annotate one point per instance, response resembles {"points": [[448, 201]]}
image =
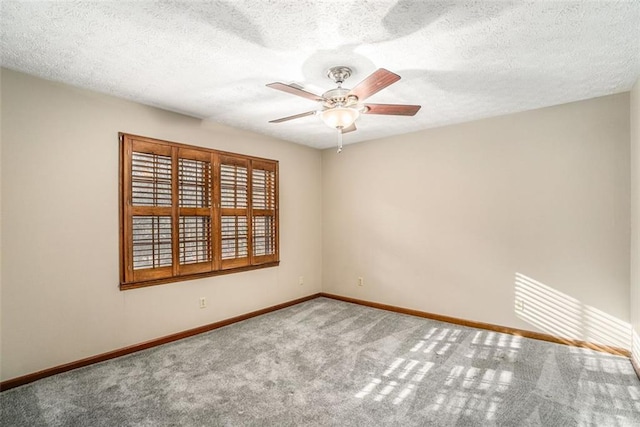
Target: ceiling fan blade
{"points": [[377, 81], [297, 116], [294, 91], [392, 109], [350, 128]]}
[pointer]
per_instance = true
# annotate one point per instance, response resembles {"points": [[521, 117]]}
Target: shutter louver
{"points": [[234, 237], [233, 186], [151, 242], [195, 183], [195, 235], [151, 180], [263, 187], [263, 236]]}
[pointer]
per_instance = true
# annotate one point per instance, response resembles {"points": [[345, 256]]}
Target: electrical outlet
{"points": [[360, 281], [519, 304], [301, 280], [203, 302]]}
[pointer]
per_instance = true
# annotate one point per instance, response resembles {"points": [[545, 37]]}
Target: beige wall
{"points": [[60, 297], [635, 218], [462, 220]]}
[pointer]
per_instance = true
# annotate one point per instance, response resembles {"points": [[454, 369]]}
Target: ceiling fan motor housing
{"points": [[339, 97]]}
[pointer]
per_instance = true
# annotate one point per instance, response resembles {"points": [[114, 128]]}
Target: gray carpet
{"points": [[330, 363]]}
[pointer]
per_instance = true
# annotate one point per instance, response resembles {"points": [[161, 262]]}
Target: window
{"points": [[189, 212]]}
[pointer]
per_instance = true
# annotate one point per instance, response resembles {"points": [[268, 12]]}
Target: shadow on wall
{"points": [[566, 317]]}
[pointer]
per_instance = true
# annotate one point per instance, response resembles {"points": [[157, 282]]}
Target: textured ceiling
{"points": [[460, 60]]}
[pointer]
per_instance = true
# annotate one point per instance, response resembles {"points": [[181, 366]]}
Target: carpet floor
{"points": [[331, 363]]}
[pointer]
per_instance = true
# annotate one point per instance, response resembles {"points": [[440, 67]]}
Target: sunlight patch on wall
{"points": [[563, 316]]}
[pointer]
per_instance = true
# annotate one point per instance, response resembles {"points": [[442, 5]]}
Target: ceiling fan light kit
{"points": [[341, 107], [340, 117]]}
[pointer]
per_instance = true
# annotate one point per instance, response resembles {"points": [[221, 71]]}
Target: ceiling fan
{"points": [[340, 107]]}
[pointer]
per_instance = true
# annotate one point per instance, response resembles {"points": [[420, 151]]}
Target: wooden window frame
{"points": [[212, 211]]}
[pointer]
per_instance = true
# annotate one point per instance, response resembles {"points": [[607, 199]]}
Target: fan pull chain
{"points": [[339, 139]]}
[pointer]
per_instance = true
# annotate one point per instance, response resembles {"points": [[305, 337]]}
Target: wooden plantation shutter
{"points": [[148, 226], [234, 211], [189, 212], [264, 211], [195, 211]]}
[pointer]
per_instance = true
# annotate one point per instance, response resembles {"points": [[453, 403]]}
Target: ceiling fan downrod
{"points": [[339, 74]]}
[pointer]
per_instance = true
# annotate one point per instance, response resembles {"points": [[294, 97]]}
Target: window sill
{"points": [[136, 285]]}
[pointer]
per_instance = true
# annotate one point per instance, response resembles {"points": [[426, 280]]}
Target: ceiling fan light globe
{"points": [[340, 117]]}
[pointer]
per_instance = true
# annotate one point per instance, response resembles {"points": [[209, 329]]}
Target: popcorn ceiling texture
{"points": [[461, 61]]}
